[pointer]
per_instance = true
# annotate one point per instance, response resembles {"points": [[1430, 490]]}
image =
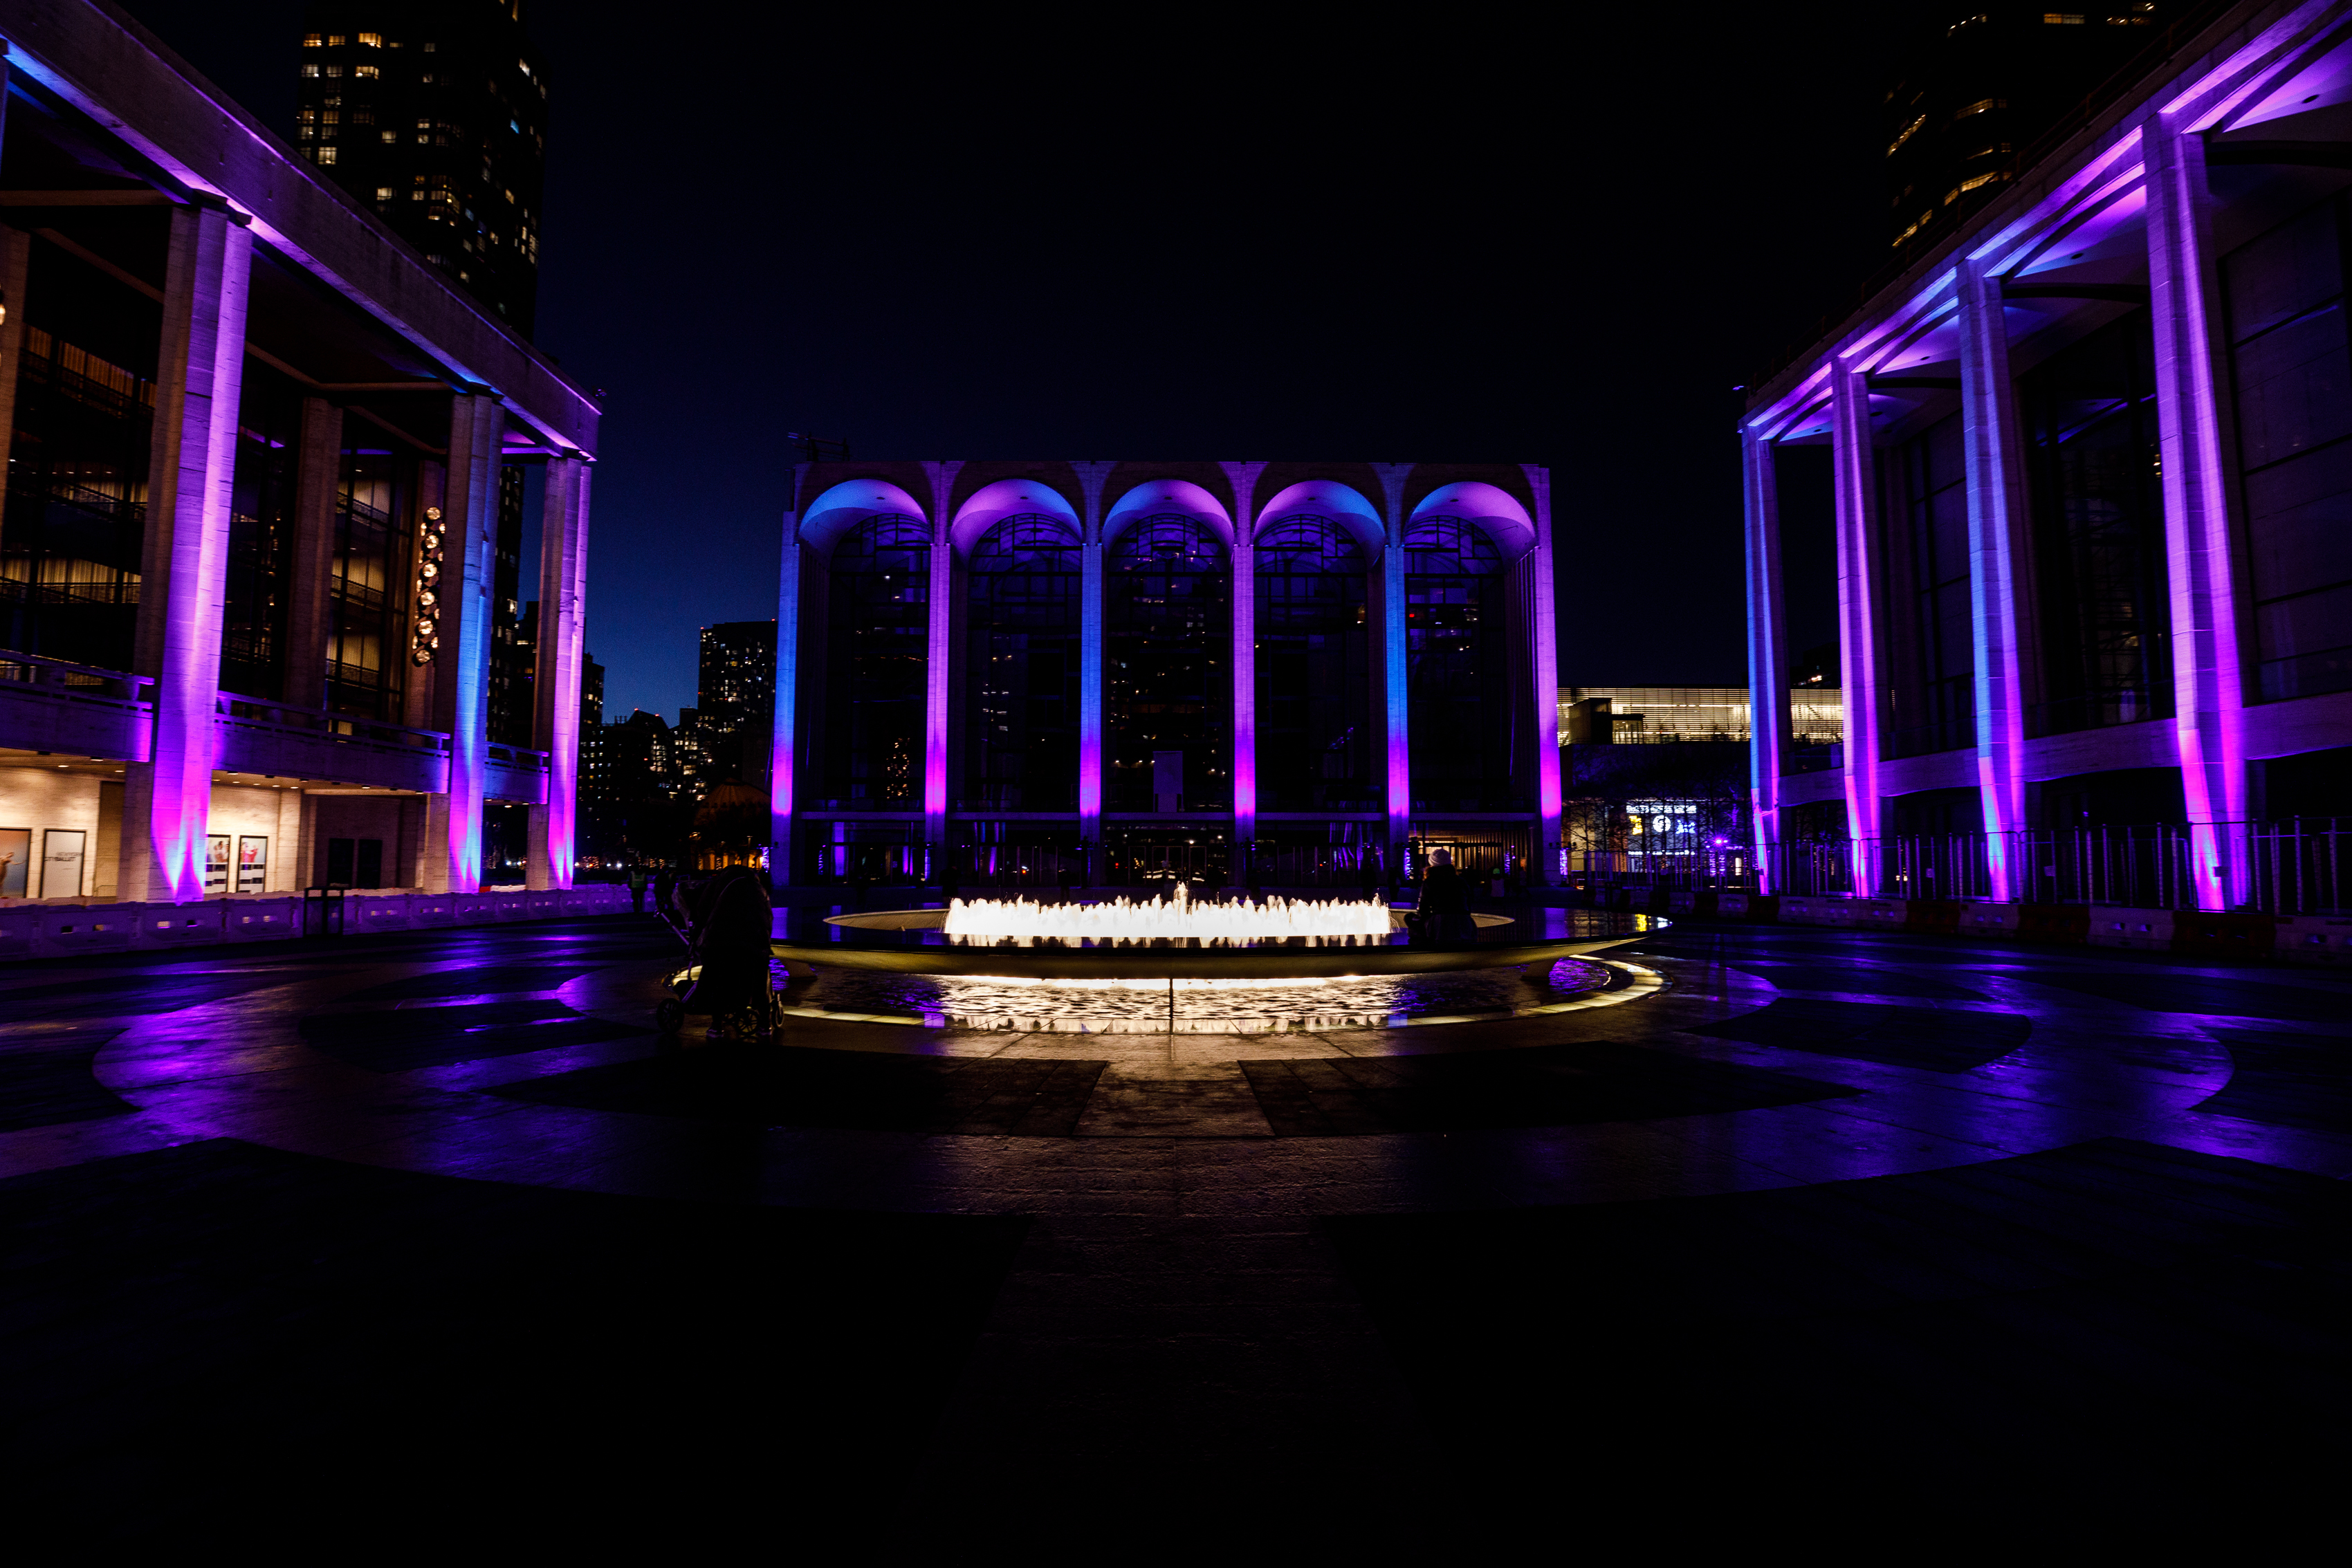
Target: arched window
{"points": [[877, 648], [1314, 670], [1021, 667], [1168, 697], [1463, 688]]}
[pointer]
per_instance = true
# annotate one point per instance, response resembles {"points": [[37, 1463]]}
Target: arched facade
{"points": [[1108, 673]]}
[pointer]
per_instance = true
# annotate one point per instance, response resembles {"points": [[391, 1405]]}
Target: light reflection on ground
{"points": [[1198, 1007]]}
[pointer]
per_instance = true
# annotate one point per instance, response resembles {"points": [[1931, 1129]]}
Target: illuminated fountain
{"points": [[1190, 965], [1177, 922]]}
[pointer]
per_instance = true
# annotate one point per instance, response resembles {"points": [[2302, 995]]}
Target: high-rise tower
{"points": [[434, 114]]}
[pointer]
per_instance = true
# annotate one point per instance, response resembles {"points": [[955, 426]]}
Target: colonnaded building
{"points": [[265, 472], [2091, 457], [1285, 673]]}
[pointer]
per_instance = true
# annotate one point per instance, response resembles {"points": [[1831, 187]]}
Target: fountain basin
{"points": [[911, 941]]}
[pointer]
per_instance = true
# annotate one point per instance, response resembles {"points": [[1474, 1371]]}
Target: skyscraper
{"points": [[736, 696], [1979, 85], [433, 114]]}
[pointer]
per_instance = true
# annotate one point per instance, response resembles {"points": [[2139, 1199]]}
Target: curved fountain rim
{"points": [[1179, 963]]}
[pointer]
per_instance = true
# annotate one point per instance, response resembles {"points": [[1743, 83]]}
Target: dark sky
{"points": [[985, 237]]}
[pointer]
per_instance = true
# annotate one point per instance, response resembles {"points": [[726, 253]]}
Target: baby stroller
{"points": [[692, 915]]}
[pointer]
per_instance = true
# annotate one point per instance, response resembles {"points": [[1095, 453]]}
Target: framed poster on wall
{"points": [[252, 863], [61, 857], [16, 861], [216, 863]]}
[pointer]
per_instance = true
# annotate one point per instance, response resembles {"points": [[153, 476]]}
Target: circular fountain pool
{"points": [[1177, 965]]}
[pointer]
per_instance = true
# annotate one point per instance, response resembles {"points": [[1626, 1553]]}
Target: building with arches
{"points": [[1291, 673]]}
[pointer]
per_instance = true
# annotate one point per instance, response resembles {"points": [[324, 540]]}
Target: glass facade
{"points": [[367, 639], [1458, 666], [1315, 745], [1022, 637], [260, 536], [877, 645], [2289, 360], [1930, 701], [72, 551], [2098, 532], [1167, 686]]}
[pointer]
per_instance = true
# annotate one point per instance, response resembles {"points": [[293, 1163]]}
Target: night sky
{"points": [[1183, 234]]}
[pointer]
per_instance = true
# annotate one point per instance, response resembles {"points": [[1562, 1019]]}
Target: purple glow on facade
{"points": [[210, 260], [1245, 652], [936, 684], [2208, 689], [1090, 691], [469, 510], [1993, 451], [788, 686], [1768, 685], [563, 595], [1545, 602], [1856, 477]]}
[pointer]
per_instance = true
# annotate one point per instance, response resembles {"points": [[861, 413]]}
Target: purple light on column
{"points": [[1244, 648], [219, 253], [787, 690], [1090, 689]]}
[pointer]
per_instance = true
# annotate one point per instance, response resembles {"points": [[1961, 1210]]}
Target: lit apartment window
{"points": [[334, 71], [391, 136], [370, 40], [309, 70], [1985, 179], [1907, 133], [326, 154], [334, 117], [2062, 18], [384, 192], [309, 40], [428, 49], [413, 196], [1980, 106], [365, 71], [364, 116], [428, 74], [306, 132], [337, 40]]}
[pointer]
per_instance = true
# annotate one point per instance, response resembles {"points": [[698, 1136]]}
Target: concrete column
{"points": [[15, 253], [788, 690], [1395, 674], [1092, 477], [184, 564], [1544, 656], [938, 682], [1245, 659], [286, 850], [453, 857], [2208, 671], [1999, 545], [317, 480], [308, 869], [1242, 476], [555, 680], [1855, 474], [1768, 652]]}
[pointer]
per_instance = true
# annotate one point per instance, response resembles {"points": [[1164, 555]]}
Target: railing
{"points": [[517, 758], [262, 713], [2068, 715], [71, 681], [2292, 867]]}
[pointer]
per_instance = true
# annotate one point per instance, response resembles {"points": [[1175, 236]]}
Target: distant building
{"points": [[1283, 672], [511, 709], [433, 114], [736, 695], [1976, 90]]}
